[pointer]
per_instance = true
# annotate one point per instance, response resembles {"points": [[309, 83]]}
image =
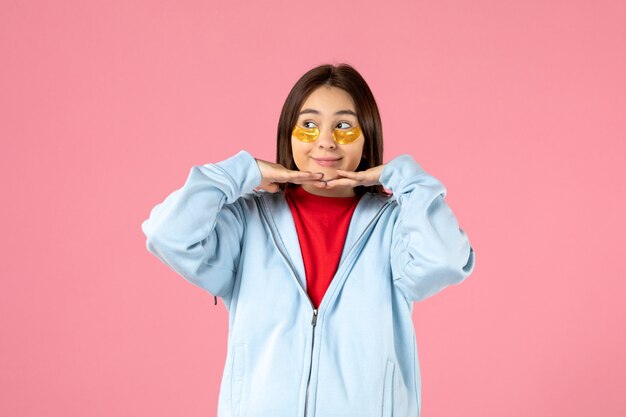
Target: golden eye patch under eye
{"points": [[341, 136], [305, 134]]}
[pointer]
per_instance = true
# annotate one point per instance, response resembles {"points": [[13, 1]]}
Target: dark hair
{"points": [[347, 78]]}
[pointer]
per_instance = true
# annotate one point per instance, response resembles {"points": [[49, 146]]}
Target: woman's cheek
{"points": [[299, 154]]}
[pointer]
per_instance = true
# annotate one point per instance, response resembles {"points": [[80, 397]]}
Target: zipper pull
{"points": [[314, 317], [215, 296]]}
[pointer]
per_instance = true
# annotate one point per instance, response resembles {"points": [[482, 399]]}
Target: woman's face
{"points": [[327, 108]]}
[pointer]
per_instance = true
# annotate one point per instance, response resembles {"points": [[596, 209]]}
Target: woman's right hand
{"points": [[273, 174]]}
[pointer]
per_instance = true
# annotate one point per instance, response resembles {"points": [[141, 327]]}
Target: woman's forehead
{"points": [[328, 101]]}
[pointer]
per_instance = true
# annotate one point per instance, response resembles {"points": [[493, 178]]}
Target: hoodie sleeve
{"points": [[197, 230], [429, 251]]}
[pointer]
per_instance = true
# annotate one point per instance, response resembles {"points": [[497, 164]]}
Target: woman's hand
{"points": [[352, 179], [273, 174]]}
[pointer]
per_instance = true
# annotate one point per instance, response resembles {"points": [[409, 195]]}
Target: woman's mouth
{"points": [[327, 162]]}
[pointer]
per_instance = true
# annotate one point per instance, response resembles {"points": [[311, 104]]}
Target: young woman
{"points": [[317, 265]]}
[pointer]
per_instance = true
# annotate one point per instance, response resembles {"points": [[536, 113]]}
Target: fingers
{"points": [[273, 184], [350, 174], [350, 178], [302, 177], [341, 182], [367, 177]]}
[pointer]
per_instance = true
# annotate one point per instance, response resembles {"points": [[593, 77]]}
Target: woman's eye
{"points": [[344, 123], [305, 124]]}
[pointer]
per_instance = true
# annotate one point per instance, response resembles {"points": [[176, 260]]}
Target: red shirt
{"points": [[322, 225]]}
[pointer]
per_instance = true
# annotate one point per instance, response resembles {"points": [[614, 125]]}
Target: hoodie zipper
{"points": [[293, 270], [308, 382], [315, 310]]}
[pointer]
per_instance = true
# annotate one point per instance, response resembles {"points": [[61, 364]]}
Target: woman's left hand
{"points": [[352, 179]]}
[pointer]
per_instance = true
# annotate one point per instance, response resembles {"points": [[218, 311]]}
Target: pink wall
{"points": [[518, 107]]}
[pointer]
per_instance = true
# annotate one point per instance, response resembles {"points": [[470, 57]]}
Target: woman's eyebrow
{"points": [[336, 113]]}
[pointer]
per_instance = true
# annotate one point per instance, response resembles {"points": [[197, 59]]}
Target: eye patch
{"points": [[341, 136]]}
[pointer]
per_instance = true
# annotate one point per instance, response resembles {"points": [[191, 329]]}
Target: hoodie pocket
{"points": [[238, 375], [387, 401]]}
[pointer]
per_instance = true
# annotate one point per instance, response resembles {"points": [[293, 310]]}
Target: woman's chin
{"points": [[329, 172]]}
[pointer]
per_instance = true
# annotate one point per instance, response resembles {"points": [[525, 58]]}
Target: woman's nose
{"points": [[326, 140]]}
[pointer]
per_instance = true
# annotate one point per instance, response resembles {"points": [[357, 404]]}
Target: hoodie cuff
{"points": [[243, 169], [399, 171]]}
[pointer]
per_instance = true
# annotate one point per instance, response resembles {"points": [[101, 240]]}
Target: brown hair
{"points": [[347, 78]]}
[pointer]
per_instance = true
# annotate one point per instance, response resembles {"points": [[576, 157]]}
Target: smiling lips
{"points": [[327, 162]]}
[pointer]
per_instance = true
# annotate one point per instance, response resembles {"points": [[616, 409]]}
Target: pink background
{"points": [[518, 107]]}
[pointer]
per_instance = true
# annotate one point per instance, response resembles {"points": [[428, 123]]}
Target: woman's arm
{"points": [[429, 251], [197, 230]]}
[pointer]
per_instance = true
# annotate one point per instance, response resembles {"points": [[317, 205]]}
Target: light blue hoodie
{"points": [[355, 356]]}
